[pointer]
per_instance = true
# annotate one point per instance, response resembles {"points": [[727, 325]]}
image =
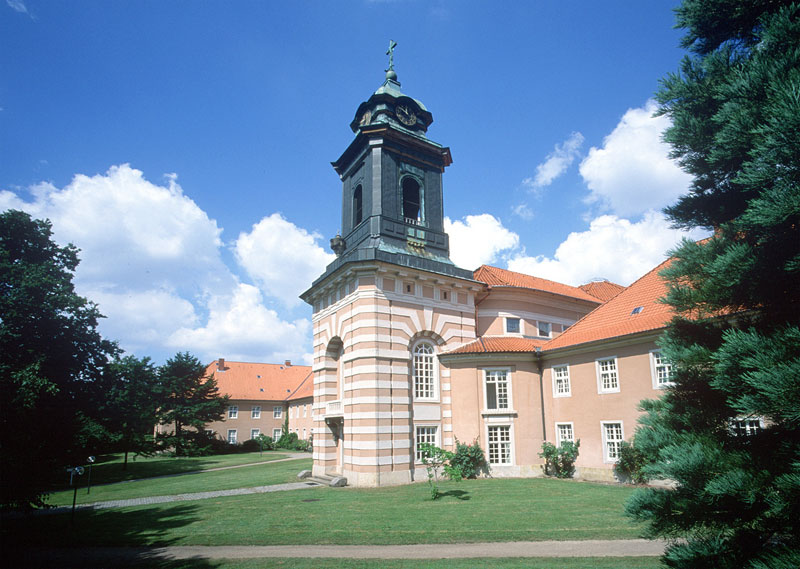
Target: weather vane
{"points": [[390, 53]]}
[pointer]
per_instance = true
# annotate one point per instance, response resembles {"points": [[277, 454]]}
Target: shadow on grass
{"points": [[97, 538], [458, 494]]}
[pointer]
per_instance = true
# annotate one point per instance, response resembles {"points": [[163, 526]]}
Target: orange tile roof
{"points": [[272, 382], [499, 344], [615, 317], [496, 277], [604, 290]]}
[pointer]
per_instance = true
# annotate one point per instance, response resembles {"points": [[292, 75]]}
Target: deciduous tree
{"points": [[50, 351], [728, 432]]}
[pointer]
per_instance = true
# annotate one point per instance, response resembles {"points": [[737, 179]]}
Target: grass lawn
{"points": [[469, 511], [108, 468], [260, 475]]}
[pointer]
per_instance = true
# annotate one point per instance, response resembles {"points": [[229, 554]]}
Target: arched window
{"points": [[412, 200], [424, 364], [358, 206]]}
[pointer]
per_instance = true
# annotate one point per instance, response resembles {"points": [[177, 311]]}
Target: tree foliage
{"points": [[50, 353], [735, 342], [559, 461], [188, 400]]}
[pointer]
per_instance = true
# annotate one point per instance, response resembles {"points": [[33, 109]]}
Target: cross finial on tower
{"points": [[390, 73]]}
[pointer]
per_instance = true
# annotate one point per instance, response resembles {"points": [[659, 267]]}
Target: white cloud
{"points": [[556, 163], [478, 240], [240, 327], [632, 172], [17, 6], [283, 258], [524, 211], [151, 259], [612, 248]]}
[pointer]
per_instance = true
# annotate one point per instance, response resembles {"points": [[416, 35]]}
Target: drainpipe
{"points": [[538, 355]]}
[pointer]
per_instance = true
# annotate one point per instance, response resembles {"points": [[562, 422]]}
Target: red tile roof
{"points": [[604, 290], [272, 382], [615, 317], [499, 344], [496, 277]]}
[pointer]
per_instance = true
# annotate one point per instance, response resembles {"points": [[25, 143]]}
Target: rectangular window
{"points": [[612, 439], [513, 326], [564, 433], [233, 412], [424, 362], [545, 329], [254, 433], [425, 435], [209, 432], [607, 379], [276, 434], [561, 387], [305, 410], [232, 436], [661, 370], [304, 434], [745, 427], [255, 412], [498, 391], [277, 412], [499, 445]]}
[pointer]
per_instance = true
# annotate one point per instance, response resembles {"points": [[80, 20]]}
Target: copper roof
{"points": [[496, 277], [499, 344], [604, 290], [272, 382], [635, 309]]}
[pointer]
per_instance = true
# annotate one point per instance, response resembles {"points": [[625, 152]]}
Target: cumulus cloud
{"points": [[478, 240], [241, 328], [151, 259], [556, 163], [283, 258], [612, 248], [632, 173]]}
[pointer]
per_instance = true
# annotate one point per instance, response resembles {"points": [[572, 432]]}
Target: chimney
{"points": [[288, 363], [221, 364]]}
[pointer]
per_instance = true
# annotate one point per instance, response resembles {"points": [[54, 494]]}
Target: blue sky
{"points": [[185, 147]]}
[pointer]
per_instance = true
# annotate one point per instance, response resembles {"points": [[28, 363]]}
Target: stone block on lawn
{"points": [[338, 482], [304, 474]]}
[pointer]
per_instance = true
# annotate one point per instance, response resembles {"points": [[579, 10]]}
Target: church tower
{"points": [[390, 302]]}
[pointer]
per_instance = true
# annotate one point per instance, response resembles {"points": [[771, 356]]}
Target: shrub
{"points": [[630, 464], [287, 441], [560, 461], [250, 445], [436, 459], [469, 459]]}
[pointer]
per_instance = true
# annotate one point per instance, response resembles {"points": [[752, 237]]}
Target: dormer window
{"points": [[358, 206], [637, 310], [412, 200]]}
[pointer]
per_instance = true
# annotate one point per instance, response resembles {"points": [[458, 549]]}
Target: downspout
{"points": [[538, 355]]}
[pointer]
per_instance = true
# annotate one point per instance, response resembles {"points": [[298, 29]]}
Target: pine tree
{"points": [[728, 432], [189, 399]]}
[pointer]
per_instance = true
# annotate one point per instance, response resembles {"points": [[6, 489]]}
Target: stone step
{"points": [[323, 479]]}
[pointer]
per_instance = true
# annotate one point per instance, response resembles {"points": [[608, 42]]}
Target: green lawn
{"points": [[108, 468], [469, 511], [259, 475]]}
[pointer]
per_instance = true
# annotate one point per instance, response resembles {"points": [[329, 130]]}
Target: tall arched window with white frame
{"points": [[424, 370]]}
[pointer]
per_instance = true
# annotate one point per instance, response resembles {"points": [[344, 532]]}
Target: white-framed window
{"points": [[424, 368], [424, 434], [513, 325], [660, 369], [561, 386], [305, 410], [277, 412], [233, 412], [209, 432], [497, 389], [304, 433], [612, 439], [255, 412], [499, 446], [276, 434], [545, 329], [745, 427], [232, 436], [254, 433], [564, 432], [607, 377]]}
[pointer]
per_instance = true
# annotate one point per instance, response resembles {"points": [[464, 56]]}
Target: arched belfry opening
{"points": [[412, 200], [358, 205]]}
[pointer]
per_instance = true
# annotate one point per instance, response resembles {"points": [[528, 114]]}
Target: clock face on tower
{"points": [[405, 115]]}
